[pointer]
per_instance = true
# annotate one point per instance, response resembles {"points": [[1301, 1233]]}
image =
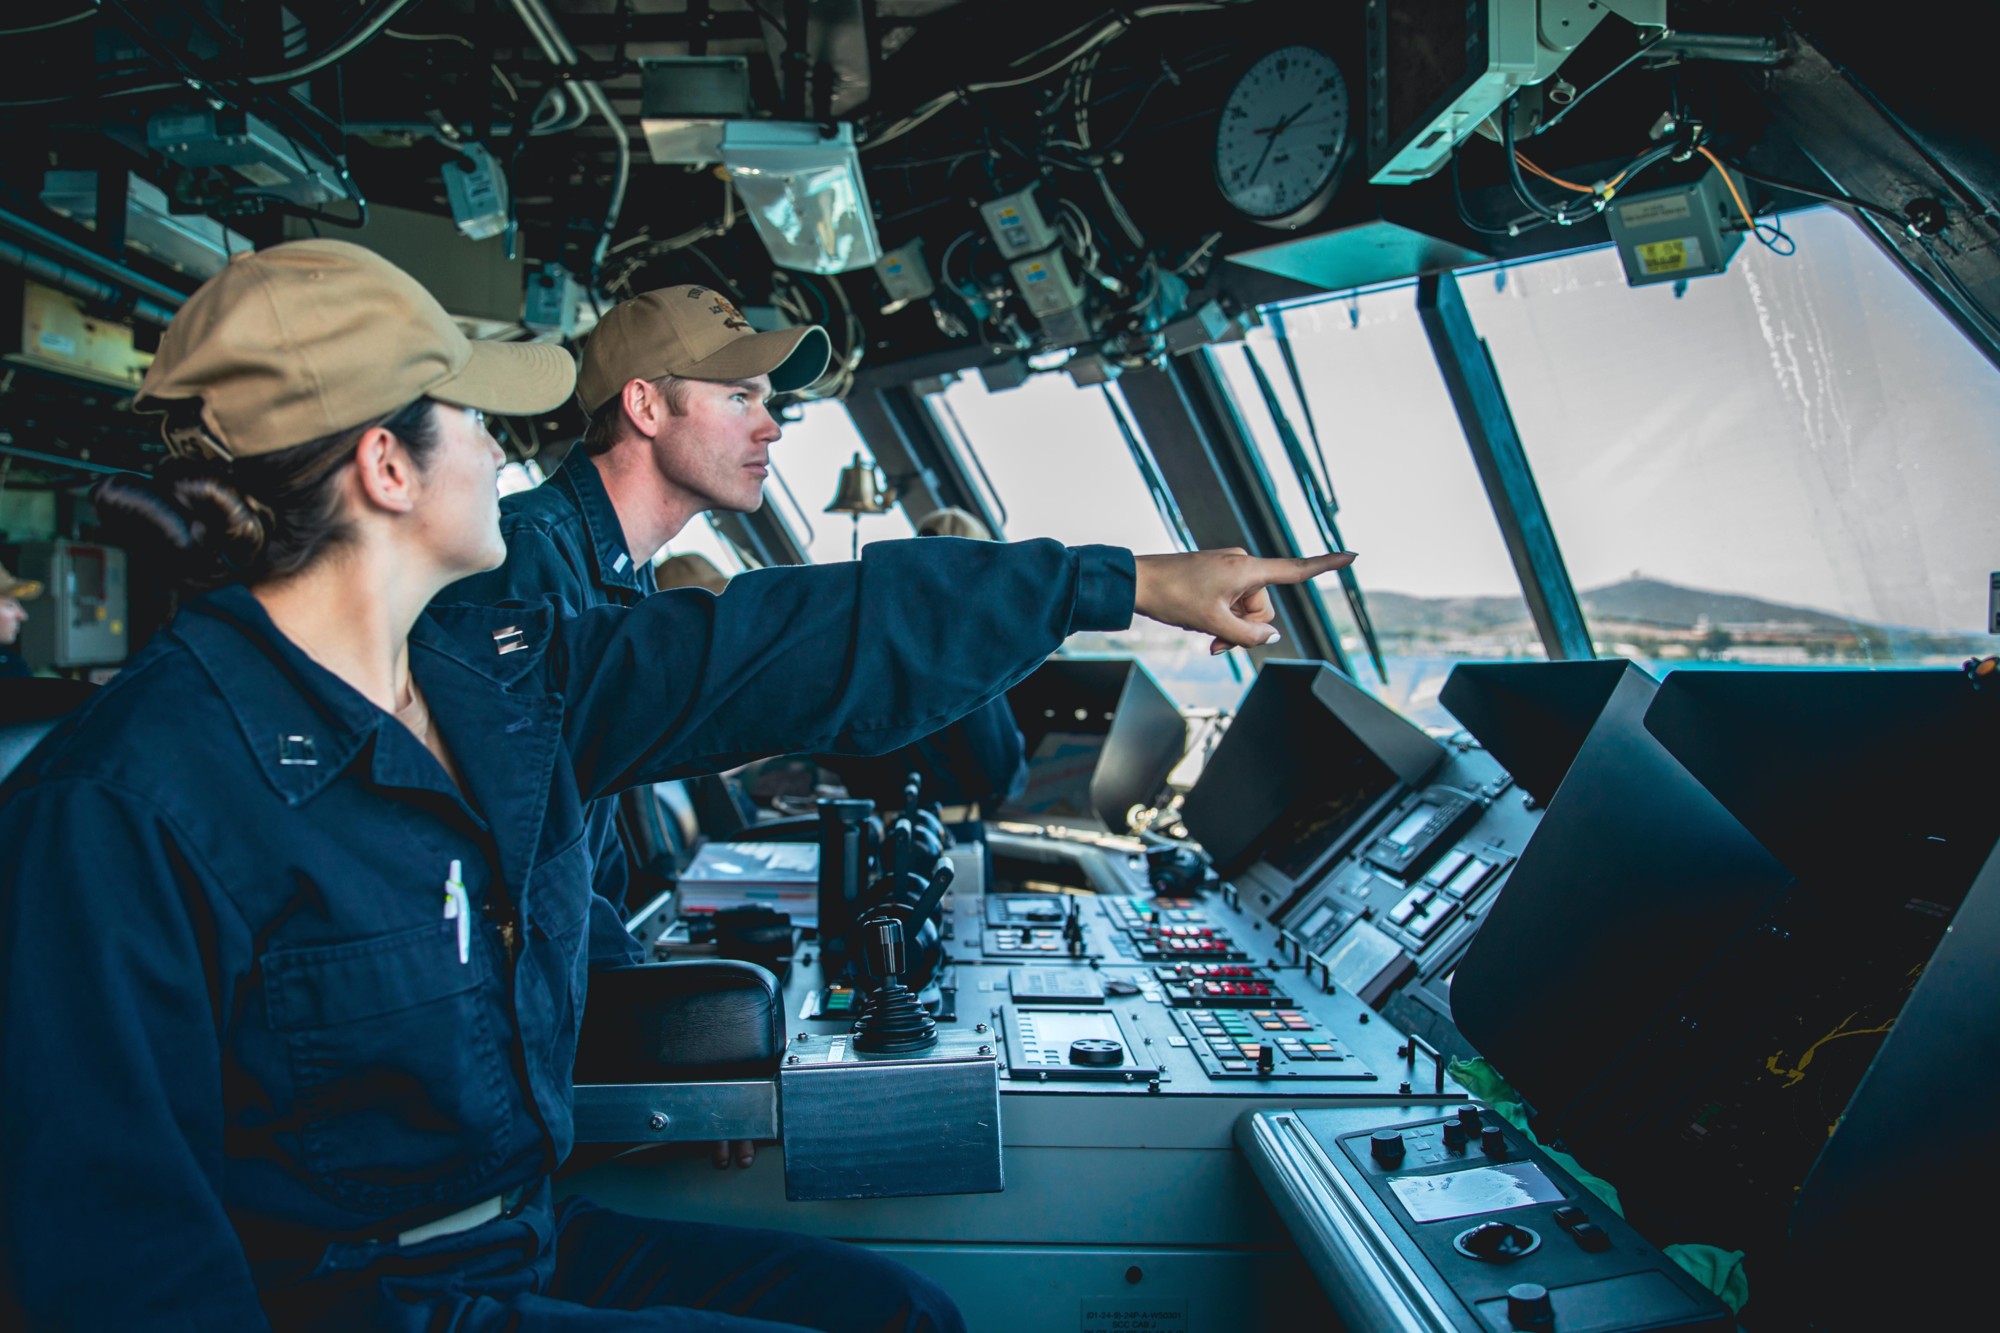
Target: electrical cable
{"points": [[1971, 304], [1616, 69], [513, 94], [1757, 228], [1526, 222], [356, 38], [1900, 218], [1553, 179], [1105, 34], [52, 23]]}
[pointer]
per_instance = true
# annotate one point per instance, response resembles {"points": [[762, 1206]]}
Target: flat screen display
{"points": [[1483, 1189], [1308, 755]]}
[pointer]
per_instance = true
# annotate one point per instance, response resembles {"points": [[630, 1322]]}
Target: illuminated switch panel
{"points": [[1278, 1042], [1173, 943], [1141, 914], [1220, 986], [1023, 942]]}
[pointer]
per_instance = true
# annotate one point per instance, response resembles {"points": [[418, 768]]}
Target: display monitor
{"points": [[1532, 716], [1307, 756]]}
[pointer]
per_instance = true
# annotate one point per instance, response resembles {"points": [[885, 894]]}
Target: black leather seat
{"points": [[703, 1019]]}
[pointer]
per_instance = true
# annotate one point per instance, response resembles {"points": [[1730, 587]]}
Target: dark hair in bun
{"points": [[252, 519]]}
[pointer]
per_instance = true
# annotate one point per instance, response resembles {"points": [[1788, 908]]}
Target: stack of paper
{"points": [[783, 876]]}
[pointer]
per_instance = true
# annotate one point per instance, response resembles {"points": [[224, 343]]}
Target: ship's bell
{"points": [[862, 490]]}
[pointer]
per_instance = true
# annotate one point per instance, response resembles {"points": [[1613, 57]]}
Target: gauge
{"points": [[1283, 137]]}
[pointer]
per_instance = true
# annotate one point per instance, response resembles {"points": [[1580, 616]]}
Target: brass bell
{"points": [[862, 490]]}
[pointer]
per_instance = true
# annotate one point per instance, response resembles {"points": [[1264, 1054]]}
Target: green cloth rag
{"points": [[1483, 1081], [1721, 1271]]}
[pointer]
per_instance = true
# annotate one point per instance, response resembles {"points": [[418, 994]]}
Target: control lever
{"points": [[893, 1023]]}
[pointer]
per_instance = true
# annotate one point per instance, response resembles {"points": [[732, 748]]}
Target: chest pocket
{"points": [[400, 1076]]}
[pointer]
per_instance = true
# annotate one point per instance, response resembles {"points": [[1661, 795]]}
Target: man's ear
{"points": [[385, 472], [643, 405]]}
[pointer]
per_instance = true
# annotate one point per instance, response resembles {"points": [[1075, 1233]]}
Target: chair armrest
{"points": [[666, 1022]]}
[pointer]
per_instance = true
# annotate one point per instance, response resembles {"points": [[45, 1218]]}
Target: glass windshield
{"points": [[701, 538], [805, 476], [1790, 463], [1432, 568], [1059, 464]]}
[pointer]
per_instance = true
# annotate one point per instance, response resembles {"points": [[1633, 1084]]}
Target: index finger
{"points": [[1285, 569]]}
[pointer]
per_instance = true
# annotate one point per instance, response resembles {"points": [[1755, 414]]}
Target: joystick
{"points": [[891, 1020], [892, 1023]]}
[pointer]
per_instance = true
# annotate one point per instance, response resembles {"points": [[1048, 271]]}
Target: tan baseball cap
{"points": [[698, 334], [311, 338], [25, 590]]}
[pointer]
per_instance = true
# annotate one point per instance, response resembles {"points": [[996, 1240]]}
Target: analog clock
{"points": [[1283, 137]]}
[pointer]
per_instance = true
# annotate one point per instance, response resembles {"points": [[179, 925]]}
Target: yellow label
{"points": [[117, 627], [1663, 256]]}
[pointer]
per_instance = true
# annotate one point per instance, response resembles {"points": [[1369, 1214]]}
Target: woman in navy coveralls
{"points": [[292, 914]]}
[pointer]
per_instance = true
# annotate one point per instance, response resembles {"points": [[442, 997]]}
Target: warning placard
{"points": [[1125, 1314], [1670, 256]]}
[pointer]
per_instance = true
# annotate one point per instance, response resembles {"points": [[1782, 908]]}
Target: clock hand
{"points": [[1276, 132]]}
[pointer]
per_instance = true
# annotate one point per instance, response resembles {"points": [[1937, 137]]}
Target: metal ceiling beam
{"points": [[1210, 466], [914, 453], [1474, 384]]}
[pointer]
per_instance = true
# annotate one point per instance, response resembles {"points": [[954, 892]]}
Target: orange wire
{"points": [[1730, 181], [1552, 179]]}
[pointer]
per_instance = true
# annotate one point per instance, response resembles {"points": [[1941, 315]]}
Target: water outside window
{"points": [[1059, 464], [1432, 566], [1795, 462], [805, 467]]}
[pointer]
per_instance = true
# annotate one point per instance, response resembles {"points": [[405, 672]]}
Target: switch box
{"points": [[477, 189], [904, 274], [1682, 231], [1017, 224], [82, 622], [1046, 284]]}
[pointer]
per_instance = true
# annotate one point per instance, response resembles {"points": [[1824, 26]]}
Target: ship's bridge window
{"points": [[805, 474], [1434, 573], [1790, 463], [701, 538], [1059, 466]]}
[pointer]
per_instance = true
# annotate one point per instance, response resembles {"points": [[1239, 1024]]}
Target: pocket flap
{"points": [[342, 983]]}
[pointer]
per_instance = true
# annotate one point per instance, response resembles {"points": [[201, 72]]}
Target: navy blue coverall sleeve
{"points": [[537, 570], [128, 1066], [855, 658]]}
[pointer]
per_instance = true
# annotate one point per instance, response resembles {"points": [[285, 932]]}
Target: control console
{"points": [[1429, 1219]]}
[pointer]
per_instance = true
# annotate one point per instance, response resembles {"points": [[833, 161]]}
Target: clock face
{"points": [[1283, 137]]}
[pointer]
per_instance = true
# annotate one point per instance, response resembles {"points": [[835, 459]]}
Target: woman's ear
{"points": [[386, 472]]}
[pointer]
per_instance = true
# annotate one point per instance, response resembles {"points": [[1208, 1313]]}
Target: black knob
{"points": [[1492, 1142], [1267, 1058], [1386, 1147], [1528, 1307], [1454, 1136], [1096, 1051], [1468, 1116], [1496, 1242]]}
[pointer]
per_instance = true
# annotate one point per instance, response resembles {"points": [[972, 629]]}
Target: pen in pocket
{"points": [[458, 907]]}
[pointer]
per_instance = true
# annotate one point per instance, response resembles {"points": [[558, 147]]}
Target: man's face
{"points": [[718, 453], [12, 614]]}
